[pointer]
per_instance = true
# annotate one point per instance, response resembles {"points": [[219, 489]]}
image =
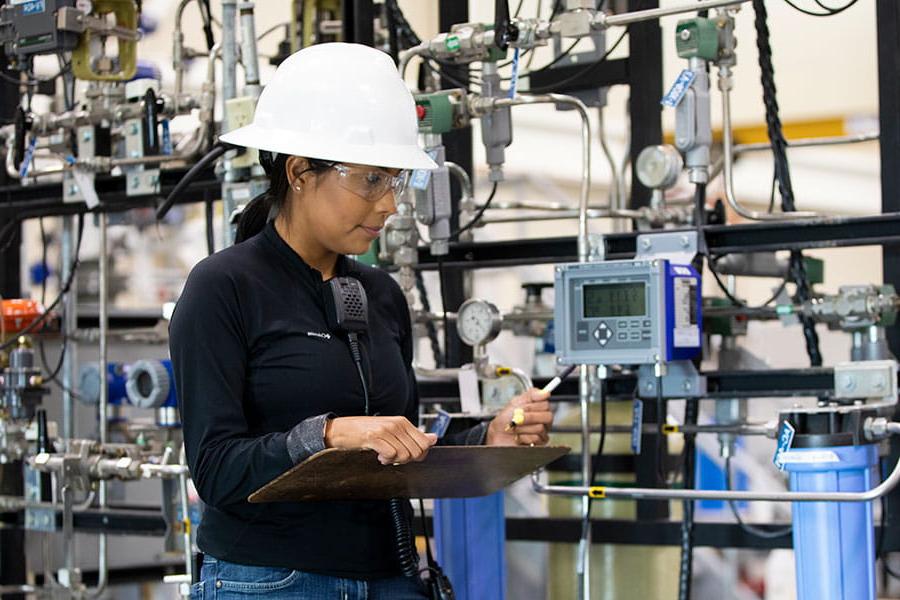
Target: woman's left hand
{"points": [[534, 430]]}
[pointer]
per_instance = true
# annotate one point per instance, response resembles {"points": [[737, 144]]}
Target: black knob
{"points": [[533, 290]]}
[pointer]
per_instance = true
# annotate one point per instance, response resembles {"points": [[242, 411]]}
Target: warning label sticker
{"points": [[686, 332]]}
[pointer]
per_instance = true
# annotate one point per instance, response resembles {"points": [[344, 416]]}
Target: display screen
{"points": [[615, 300]]}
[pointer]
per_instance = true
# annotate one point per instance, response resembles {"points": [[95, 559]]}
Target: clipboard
{"points": [[446, 472]]}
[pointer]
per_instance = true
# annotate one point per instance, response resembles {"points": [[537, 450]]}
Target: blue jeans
{"points": [[222, 580]]}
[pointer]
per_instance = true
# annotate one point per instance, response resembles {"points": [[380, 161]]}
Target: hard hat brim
{"points": [[313, 146]]}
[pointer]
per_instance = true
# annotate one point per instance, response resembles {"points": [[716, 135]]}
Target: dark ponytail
{"points": [[258, 211], [256, 214]]}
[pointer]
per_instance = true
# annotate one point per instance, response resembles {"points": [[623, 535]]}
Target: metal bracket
{"points": [[144, 182], [872, 380], [680, 380], [596, 247], [139, 180], [680, 247]]}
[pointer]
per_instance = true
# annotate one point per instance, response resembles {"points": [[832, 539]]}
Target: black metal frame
{"points": [[881, 229], [458, 146], [649, 533], [775, 383], [887, 17]]}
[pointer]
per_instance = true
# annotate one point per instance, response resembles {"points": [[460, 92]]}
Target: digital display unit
{"points": [[627, 312], [615, 300]]}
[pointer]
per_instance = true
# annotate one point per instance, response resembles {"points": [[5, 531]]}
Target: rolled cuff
{"points": [[307, 437]]}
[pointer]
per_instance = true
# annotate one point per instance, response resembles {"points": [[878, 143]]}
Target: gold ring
{"points": [[517, 438]]}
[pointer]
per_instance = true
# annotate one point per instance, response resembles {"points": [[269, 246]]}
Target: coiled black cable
{"points": [[407, 35], [760, 533], [406, 550], [797, 269], [403, 541]]}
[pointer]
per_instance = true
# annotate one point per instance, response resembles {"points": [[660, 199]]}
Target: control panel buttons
{"points": [[603, 333], [581, 331]]}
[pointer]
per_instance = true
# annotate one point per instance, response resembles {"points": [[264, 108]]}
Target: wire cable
{"points": [[206, 15], [761, 533], [210, 157], [738, 301], [445, 320], [430, 329], [403, 541], [209, 213], [556, 85], [32, 79], [797, 270], [662, 449], [550, 64], [518, 8], [686, 564], [50, 374], [595, 464], [65, 289], [829, 12], [478, 215]]}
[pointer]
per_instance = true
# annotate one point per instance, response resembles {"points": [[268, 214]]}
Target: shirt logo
{"points": [[321, 336]]}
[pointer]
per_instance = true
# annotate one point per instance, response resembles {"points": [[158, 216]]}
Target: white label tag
{"points": [[818, 456], [687, 331], [679, 88], [469, 397], [785, 439], [85, 181], [637, 425]]}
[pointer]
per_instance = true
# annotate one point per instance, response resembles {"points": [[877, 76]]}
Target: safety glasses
{"points": [[370, 183]]}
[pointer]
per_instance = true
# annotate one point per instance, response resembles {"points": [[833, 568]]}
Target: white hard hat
{"points": [[340, 102]]}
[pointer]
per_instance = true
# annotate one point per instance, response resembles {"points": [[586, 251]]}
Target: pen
{"points": [[519, 414], [554, 383]]}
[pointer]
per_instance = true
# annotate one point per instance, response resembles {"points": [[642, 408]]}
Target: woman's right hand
{"points": [[394, 438]]}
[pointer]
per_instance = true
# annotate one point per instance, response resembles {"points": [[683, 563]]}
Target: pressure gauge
{"points": [[658, 166], [478, 322]]}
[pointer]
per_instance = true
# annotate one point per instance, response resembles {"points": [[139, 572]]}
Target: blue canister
{"points": [[834, 542]]}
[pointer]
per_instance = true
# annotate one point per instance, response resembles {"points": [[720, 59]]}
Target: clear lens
{"points": [[371, 184]]}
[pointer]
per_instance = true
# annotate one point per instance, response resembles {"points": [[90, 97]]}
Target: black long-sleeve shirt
{"points": [[256, 368]]}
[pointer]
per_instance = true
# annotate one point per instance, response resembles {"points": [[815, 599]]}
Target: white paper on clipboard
{"points": [[469, 396]]}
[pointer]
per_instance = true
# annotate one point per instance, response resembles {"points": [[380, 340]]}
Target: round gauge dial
{"points": [[658, 166], [478, 322]]}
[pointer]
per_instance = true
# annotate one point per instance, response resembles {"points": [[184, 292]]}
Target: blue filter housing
{"points": [[834, 542]]}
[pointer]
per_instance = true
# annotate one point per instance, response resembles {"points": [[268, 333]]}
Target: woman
{"points": [[262, 381]]}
